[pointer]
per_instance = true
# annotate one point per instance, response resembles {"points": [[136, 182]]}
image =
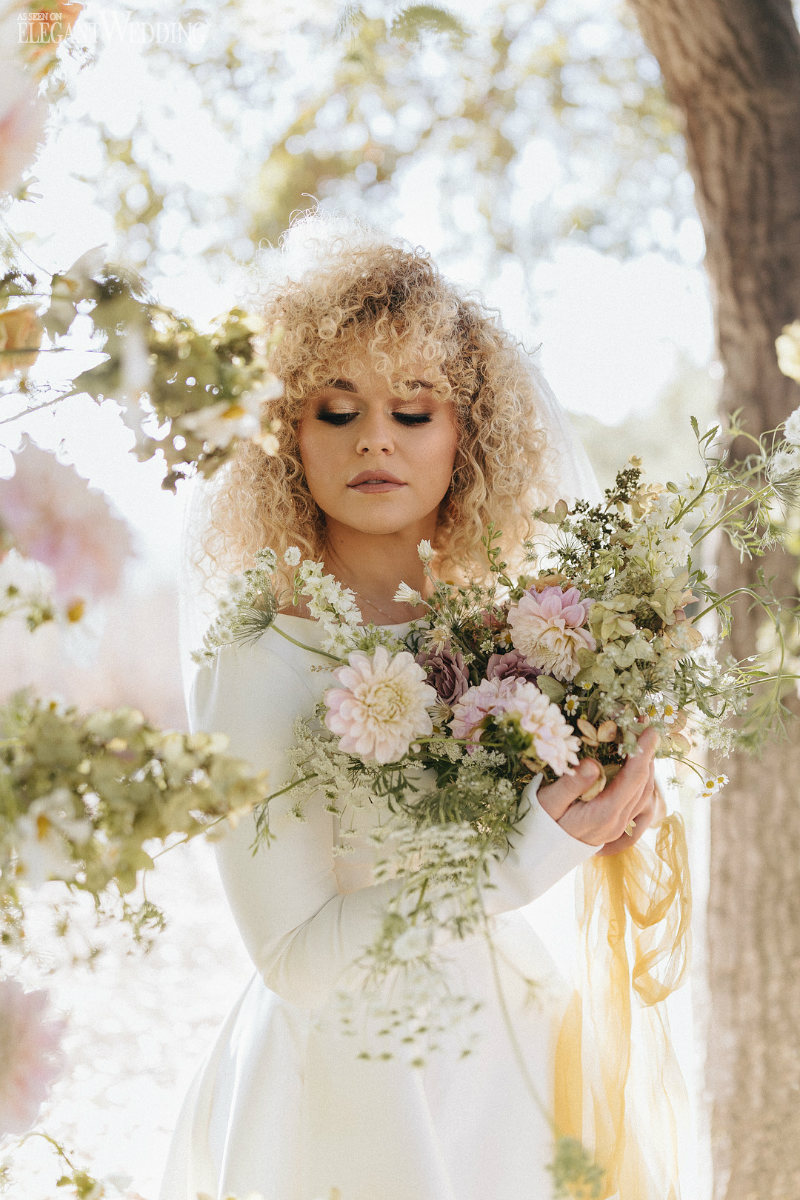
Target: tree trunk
{"points": [[732, 67]]}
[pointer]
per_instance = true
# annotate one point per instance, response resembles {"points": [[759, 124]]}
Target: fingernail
{"points": [[649, 739], [588, 769]]}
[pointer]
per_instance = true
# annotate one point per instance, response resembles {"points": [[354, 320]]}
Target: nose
{"points": [[375, 434]]}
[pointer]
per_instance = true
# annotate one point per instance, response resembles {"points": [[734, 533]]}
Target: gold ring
{"points": [[629, 828]]}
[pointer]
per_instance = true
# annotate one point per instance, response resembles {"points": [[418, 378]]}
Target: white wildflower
{"points": [[791, 430], [425, 551], [783, 463], [217, 425], [291, 556], [45, 836], [405, 594], [713, 784]]}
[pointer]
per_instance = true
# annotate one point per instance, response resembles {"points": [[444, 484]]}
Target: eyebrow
{"points": [[346, 385]]}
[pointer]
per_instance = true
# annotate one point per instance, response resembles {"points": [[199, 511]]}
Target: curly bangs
{"points": [[364, 298]]}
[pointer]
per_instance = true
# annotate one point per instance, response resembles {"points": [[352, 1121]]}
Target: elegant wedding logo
{"points": [[43, 28], [48, 27]]}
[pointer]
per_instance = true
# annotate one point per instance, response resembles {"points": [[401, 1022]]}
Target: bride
{"points": [[407, 414]]}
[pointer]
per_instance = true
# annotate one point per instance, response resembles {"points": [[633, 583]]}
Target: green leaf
{"points": [[413, 22], [554, 690]]}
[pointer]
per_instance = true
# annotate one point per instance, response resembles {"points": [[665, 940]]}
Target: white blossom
{"points": [[405, 594], [791, 430]]}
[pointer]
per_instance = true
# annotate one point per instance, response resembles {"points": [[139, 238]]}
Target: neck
{"points": [[374, 567]]}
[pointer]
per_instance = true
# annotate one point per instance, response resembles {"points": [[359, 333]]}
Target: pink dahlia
{"points": [[30, 1055], [548, 628], [551, 736], [50, 513], [381, 706]]}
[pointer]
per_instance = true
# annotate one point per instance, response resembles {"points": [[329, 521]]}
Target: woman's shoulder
{"points": [[284, 661], [255, 691]]}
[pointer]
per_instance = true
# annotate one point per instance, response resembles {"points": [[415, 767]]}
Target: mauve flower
{"points": [[513, 664], [547, 627], [551, 736], [50, 513], [30, 1055], [446, 672], [381, 706]]}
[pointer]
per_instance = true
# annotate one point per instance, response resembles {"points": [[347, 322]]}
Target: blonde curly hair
{"points": [[355, 295]]}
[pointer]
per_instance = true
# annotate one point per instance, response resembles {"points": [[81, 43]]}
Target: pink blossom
{"points": [[552, 738], [30, 1055], [50, 513], [513, 663], [381, 706], [547, 627], [22, 121]]}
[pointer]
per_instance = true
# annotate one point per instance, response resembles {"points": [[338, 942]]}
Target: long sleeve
{"points": [[299, 930]]}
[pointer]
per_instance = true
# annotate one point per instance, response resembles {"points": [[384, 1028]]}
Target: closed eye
{"points": [[406, 418], [402, 418], [337, 418]]}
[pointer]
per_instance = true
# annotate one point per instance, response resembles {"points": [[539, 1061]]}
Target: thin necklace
{"points": [[355, 590]]}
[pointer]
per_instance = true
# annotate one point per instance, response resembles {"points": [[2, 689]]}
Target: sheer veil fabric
{"points": [[623, 1104]]}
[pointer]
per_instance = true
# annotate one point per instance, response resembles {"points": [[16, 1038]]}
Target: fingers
{"points": [[602, 821], [556, 798], [645, 813]]}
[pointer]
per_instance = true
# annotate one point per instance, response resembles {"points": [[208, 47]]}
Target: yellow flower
{"points": [[20, 331]]}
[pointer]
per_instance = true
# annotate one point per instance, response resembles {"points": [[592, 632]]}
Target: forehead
{"points": [[361, 370]]}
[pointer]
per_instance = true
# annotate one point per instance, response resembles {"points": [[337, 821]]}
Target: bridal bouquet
{"points": [[608, 625]]}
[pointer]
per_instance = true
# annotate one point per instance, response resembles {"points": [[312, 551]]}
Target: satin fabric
{"points": [[283, 1106]]}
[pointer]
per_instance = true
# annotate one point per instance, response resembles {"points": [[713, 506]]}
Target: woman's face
{"points": [[378, 462]]}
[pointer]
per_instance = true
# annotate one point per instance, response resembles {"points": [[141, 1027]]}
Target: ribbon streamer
{"points": [[615, 1092]]}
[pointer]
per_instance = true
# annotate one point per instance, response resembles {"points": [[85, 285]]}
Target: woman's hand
{"points": [[630, 797]]}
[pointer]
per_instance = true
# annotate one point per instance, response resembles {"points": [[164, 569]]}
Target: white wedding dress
{"points": [[284, 1107]]}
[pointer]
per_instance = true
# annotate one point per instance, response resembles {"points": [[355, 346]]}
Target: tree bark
{"points": [[732, 67]]}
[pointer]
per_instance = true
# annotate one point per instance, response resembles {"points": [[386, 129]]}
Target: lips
{"points": [[375, 481]]}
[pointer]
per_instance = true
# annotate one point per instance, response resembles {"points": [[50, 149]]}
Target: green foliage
{"points": [[188, 394], [83, 795], [490, 109], [575, 1175]]}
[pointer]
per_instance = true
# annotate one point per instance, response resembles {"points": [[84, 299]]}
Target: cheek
{"points": [[312, 448], [444, 453]]}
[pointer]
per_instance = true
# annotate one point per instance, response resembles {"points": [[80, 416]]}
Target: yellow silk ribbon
{"points": [[613, 1095]]}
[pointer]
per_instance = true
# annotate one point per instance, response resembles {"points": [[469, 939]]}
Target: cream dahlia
{"points": [[381, 705], [547, 627]]}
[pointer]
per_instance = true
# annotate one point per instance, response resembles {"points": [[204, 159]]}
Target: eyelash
{"points": [[339, 419]]}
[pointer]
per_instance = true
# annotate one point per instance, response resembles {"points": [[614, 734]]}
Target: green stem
{"points": [[46, 1137], [750, 499], [303, 646], [728, 596], [290, 786]]}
